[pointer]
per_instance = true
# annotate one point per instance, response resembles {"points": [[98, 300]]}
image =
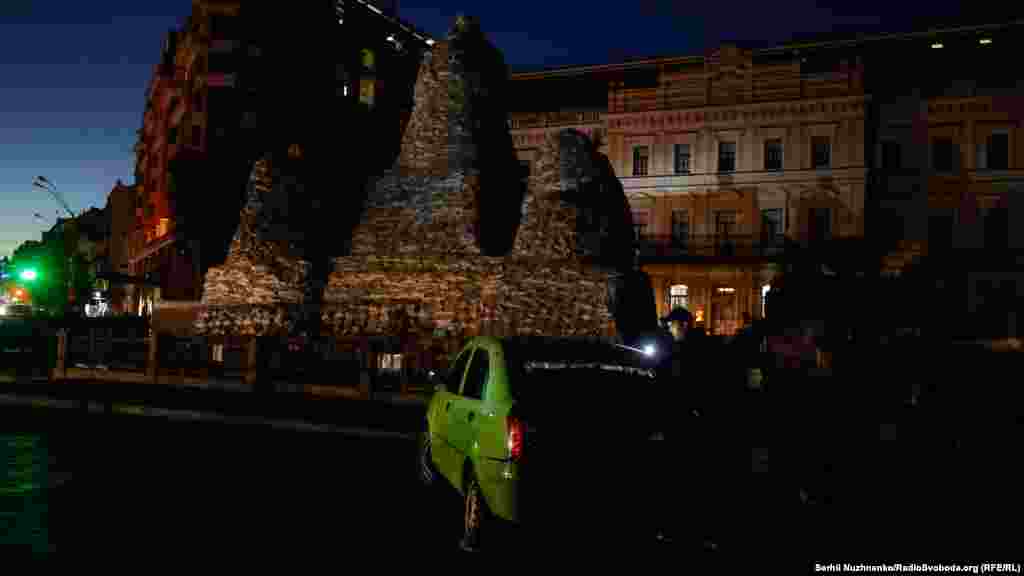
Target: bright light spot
{"points": [[19, 293], [391, 38], [649, 350], [3, 310], [346, 90], [28, 275], [726, 290], [937, 45], [985, 41], [430, 41], [374, 8]]}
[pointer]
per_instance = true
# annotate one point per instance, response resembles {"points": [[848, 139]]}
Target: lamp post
{"points": [[44, 184]]}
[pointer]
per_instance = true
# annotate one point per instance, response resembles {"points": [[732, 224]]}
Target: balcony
{"points": [[554, 119], [655, 248]]}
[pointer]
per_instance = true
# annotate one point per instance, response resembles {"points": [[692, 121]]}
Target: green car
{"points": [[523, 428]]}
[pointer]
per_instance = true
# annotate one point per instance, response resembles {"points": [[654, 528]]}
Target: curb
{"points": [[127, 409]]}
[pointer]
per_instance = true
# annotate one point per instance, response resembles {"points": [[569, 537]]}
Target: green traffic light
{"points": [[28, 275]]}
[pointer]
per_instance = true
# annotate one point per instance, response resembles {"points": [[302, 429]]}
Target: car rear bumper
{"points": [[585, 499]]}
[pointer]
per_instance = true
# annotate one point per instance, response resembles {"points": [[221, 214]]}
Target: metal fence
{"points": [[111, 349], [654, 247]]}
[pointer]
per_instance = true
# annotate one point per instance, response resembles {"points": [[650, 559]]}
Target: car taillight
{"points": [[515, 437]]}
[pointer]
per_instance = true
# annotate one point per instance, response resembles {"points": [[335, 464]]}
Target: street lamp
{"points": [[43, 183]]}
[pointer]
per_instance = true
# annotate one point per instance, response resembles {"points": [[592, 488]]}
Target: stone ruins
{"points": [[453, 242]]}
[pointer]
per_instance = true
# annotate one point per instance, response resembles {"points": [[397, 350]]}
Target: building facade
{"points": [[948, 170], [160, 139], [946, 152], [228, 90], [722, 158], [908, 145], [120, 208]]}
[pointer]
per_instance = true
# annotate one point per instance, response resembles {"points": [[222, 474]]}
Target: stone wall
{"points": [[419, 214], [260, 287], [416, 265], [467, 296], [425, 142]]}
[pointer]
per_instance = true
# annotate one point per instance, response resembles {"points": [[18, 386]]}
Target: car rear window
{"points": [[554, 369]]}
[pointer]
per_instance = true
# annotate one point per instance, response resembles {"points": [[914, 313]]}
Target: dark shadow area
{"points": [[483, 74]]}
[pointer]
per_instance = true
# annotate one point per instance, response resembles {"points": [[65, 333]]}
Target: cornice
{"points": [[738, 116]]}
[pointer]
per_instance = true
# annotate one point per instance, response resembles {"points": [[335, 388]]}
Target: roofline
{"points": [[395, 21], [577, 70]]}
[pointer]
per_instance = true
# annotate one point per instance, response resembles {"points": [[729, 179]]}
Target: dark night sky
{"points": [[74, 73]]}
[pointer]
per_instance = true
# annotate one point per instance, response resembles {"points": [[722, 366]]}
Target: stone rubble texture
{"points": [[260, 288], [417, 265]]}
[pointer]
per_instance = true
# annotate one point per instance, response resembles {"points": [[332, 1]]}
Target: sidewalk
{"points": [[314, 391], [219, 400]]}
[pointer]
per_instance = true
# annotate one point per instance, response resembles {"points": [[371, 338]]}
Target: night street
{"points": [[709, 288], [124, 484], [79, 482]]}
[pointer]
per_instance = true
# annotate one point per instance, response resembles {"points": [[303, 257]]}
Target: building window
{"points": [[172, 135], [725, 223], [680, 225], [821, 152], [891, 159], [726, 156], [820, 224], [942, 154], [197, 136], [771, 224], [389, 362], [995, 153], [640, 157], [725, 227], [678, 296], [682, 158], [368, 59], [773, 154], [367, 90]]}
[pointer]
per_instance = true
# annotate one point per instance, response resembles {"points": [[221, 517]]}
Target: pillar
{"points": [[250, 370], [152, 367], [60, 369]]}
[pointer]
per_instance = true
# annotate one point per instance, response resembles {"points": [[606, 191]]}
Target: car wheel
{"points": [[476, 517], [426, 471]]}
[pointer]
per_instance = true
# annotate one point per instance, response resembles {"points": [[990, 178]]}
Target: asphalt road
{"points": [[110, 486]]}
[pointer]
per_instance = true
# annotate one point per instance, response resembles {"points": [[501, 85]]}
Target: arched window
{"points": [[764, 299], [678, 296]]}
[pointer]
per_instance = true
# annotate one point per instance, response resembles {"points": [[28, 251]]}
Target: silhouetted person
{"points": [[690, 503]]}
